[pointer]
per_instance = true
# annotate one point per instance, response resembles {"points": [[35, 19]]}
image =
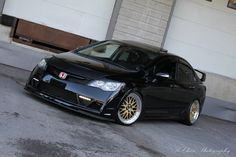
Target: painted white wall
{"points": [[205, 34], [88, 18]]}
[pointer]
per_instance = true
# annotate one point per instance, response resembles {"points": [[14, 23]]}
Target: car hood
{"points": [[88, 67]]}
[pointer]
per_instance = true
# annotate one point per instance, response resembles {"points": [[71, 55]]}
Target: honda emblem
{"points": [[62, 75]]}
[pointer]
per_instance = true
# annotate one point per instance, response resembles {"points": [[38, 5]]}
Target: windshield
{"points": [[128, 57], [101, 50]]}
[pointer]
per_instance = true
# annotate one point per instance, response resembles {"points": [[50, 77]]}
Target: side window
{"points": [[167, 67], [185, 73], [132, 58], [123, 56]]}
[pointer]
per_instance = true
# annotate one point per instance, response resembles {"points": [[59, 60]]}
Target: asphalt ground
{"points": [[32, 127]]}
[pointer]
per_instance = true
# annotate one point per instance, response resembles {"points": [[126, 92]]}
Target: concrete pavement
{"points": [[20, 57], [32, 127]]}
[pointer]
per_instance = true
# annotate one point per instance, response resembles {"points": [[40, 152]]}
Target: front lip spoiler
{"points": [[65, 104]]}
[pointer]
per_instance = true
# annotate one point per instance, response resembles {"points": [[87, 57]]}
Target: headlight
{"points": [[106, 85], [42, 64]]}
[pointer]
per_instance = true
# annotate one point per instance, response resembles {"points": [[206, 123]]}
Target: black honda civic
{"points": [[122, 81]]}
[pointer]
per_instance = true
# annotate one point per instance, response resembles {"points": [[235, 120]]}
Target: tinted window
{"points": [[167, 67], [184, 62], [128, 57], [101, 51], [133, 58], [185, 73]]}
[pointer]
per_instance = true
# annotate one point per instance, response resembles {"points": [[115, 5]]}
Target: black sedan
{"points": [[121, 81]]}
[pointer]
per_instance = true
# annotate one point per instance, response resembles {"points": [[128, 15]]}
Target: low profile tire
{"points": [[192, 114], [130, 109]]}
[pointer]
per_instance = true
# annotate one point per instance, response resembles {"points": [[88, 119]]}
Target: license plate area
{"points": [[57, 84]]}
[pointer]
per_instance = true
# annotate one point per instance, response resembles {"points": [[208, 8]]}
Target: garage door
{"points": [[87, 18], [204, 33]]}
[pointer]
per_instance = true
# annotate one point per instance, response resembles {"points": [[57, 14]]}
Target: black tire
{"points": [[192, 113], [130, 109]]}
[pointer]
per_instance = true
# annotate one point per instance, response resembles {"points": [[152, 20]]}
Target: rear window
{"points": [[185, 73]]}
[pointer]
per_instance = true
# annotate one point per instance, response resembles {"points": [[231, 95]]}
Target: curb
{"points": [[14, 72]]}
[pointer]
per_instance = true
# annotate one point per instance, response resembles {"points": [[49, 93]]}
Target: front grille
{"points": [[57, 92], [53, 71], [72, 78]]}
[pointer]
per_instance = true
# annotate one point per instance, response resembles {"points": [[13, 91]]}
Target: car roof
{"points": [[140, 45], [152, 48]]}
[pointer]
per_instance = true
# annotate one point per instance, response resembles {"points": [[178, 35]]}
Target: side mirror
{"points": [[162, 75]]}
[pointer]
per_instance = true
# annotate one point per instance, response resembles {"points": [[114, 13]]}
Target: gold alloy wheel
{"points": [[130, 109], [194, 111]]}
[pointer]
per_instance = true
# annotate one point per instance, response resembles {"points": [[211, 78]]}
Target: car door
{"points": [[158, 93], [184, 89]]}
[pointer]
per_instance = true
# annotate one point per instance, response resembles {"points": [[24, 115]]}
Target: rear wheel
{"points": [[193, 113], [130, 109]]}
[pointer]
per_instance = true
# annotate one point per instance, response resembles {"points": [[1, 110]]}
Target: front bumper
{"points": [[67, 94]]}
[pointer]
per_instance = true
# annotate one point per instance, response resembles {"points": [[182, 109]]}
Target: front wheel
{"points": [[130, 109], [193, 113]]}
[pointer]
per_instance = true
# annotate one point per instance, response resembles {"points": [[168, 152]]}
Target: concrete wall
{"points": [[143, 20], [204, 33], [221, 87], [1, 6], [221, 97]]}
